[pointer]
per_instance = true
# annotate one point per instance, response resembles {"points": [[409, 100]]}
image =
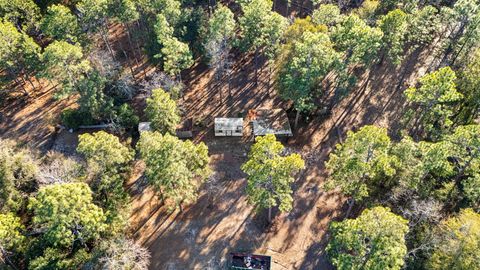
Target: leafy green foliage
{"points": [[464, 149], [67, 214], [469, 86], [459, 242], [162, 111], [327, 14], [174, 168], [60, 23], [18, 53], [394, 27], [302, 66], [18, 170], [64, 63], [270, 174], [361, 163], [176, 56], [107, 160], [24, 14], [374, 240], [424, 24], [94, 13], [103, 150], [359, 41], [11, 233], [436, 96]]}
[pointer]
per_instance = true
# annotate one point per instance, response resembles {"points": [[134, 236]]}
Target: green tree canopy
{"points": [[176, 56], [162, 111], [302, 66], [18, 170], [60, 23], [174, 168], [374, 240], [469, 86], [64, 63], [436, 95], [24, 14], [107, 159], [359, 41], [361, 163], [103, 150], [270, 174], [394, 26], [12, 236], [67, 214], [327, 14], [464, 147], [19, 54], [459, 243]]}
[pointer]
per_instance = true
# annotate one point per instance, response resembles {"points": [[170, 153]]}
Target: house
{"points": [[229, 127]]}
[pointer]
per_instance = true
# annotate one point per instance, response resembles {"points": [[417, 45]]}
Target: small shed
{"points": [[229, 127], [273, 121], [144, 126]]}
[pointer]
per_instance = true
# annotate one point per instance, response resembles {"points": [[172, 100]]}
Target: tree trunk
{"points": [[351, 202], [256, 66], [181, 207], [23, 86], [104, 34], [270, 215], [297, 117]]}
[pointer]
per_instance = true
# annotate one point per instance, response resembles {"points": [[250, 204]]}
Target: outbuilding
{"points": [[229, 127]]}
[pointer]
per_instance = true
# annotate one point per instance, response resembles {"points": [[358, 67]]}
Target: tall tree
{"points": [[464, 146], [59, 23], [327, 14], [174, 168], [162, 111], [361, 163], [19, 54], [424, 25], [357, 40], [302, 66], [24, 14], [374, 240], [394, 27], [95, 15], [12, 238], [65, 64], [218, 41], [107, 160], [469, 86], [270, 175], [256, 27], [18, 170], [176, 57], [66, 214], [459, 242], [436, 96]]}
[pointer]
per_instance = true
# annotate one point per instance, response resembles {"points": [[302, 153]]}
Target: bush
{"points": [[72, 118]]}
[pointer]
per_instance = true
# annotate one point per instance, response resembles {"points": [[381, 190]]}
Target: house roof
{"points": [[228, 123], [274, 121]]}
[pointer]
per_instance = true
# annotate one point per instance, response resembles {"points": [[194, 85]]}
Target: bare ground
{"points": [[221, 221]]}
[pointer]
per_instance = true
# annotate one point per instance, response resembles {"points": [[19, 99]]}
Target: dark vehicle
{"points": [[241, 261]]}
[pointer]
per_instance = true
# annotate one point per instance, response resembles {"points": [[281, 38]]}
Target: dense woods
{"points": [[412, 192]]}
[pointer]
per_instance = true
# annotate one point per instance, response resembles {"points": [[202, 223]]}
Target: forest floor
{"points": [[221, 221]]}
